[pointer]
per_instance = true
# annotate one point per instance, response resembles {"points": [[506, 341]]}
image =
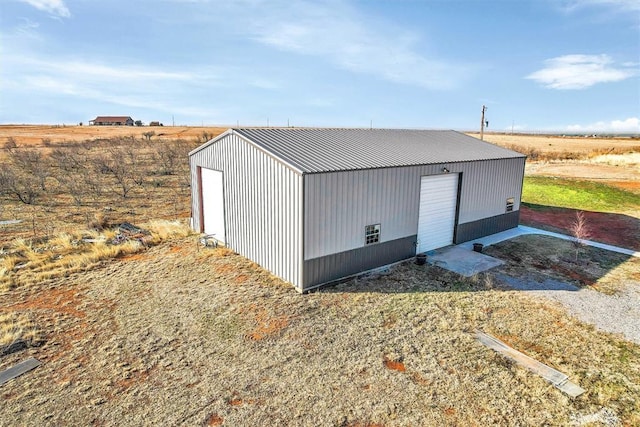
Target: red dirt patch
{"points": [[133, 257], [236, 401], [633, 186], [361, 424], [60, 300], [394, 365], [267, 324], [613, 229], [215, 420], [241, 278]]}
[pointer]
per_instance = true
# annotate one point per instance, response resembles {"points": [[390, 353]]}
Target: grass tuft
{"points": [[17, 331], [66, 253]]}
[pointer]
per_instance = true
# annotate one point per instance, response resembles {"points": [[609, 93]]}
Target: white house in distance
{"points": [[317, 205]]}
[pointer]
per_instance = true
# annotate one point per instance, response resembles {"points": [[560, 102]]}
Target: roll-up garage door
{"points": [[437, 218], [213, 203]]}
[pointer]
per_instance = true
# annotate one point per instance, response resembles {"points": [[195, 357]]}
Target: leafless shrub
{"points": [[170, 156], [17, 184], [10, 143], [68, 159], [580, 231], [31, 162]]}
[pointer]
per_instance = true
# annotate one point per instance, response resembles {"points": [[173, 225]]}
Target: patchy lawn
{"points": [[543, 257], [189, 336]]}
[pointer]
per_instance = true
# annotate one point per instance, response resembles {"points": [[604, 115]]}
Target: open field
{"points": [[42, 135], [176, 334], [559, 144], [182, 335]]}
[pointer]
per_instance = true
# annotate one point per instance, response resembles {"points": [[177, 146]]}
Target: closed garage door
{"points": [[438, 200], [213, 203]]}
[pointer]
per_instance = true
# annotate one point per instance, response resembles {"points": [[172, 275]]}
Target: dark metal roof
{"points": [[313, 150]]}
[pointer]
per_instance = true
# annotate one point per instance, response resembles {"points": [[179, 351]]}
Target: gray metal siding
{"points": [[486, 187], [486, 226], [263, 204], [339, 205], [337, 266]]}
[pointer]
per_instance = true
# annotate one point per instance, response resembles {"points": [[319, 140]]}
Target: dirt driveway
{"points": [[179, 335]]}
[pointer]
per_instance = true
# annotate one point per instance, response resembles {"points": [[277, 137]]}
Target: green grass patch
{"points": [[577, 194]]}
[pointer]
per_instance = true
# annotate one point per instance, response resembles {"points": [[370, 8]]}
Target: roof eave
{"points": [[251, 142]]}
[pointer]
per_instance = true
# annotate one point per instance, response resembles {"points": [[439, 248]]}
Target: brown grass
{"points": [[567, 146], [52, 135], [27, 261], [177, 340], [185, 335], [17, 331]]}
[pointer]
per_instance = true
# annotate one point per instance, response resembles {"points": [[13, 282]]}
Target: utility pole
{"points": [[482, 123]]}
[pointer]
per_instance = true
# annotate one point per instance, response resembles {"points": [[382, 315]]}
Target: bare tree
{"points": [[10, 143], [170, 156], [17, 184], [31, 162], [580, 231]]}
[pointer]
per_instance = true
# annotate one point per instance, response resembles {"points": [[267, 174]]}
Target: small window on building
{"points": [[510, 204], [372, 234]]}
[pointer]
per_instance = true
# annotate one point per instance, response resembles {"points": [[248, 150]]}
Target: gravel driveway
{"points": [[618, 313]]}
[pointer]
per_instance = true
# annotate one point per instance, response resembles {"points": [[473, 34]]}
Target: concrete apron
{"points": [[462, 260]]}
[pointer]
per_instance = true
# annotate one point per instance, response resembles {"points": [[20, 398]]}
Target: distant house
{"points": [[112, 121], [155, 124]]}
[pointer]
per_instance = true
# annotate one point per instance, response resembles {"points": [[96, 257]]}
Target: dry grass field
{"points": [[42, 135], [560, 144], [183, 335], [158, 330]]}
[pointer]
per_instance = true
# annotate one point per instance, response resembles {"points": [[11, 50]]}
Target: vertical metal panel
{"points": [[339, 205], [486, 187], [262, 200]]}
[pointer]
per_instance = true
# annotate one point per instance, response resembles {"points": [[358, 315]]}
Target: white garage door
{"points": [[213, 203], [438, 199]]}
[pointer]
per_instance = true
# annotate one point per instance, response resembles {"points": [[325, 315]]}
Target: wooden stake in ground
{"points": [[557, 378], [19, 369]]}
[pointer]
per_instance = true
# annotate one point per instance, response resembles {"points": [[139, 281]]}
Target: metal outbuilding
{"points": [[317, 205]]}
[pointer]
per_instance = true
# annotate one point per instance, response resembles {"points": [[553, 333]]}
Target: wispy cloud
{"points": [[580, 72], [630, 125], [343, 36], [615, 5], [127, 85], [53, 7]]}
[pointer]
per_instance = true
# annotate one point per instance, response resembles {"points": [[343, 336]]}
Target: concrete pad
{"points": [[462, 260], [522, 230]]}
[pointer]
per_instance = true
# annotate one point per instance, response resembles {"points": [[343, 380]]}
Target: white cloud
{"points": [[630, 125], [346, 38], [54, 7], [580, 72]]}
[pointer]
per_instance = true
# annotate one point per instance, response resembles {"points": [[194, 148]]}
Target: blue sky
{"points": [[542, 65]]}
